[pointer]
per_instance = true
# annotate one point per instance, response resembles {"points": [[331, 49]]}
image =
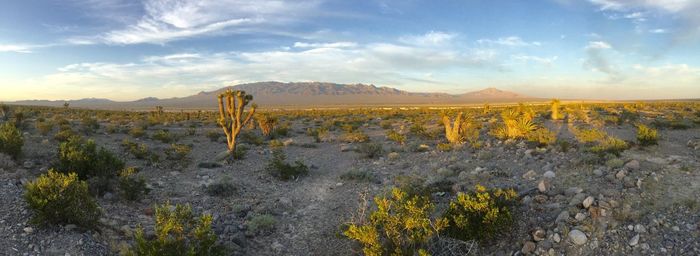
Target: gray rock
{"points": [[539, 235], [528, 247], [577, 237], [556, 238], [28, 230], [587, 202], [572, 191], [445, 172], [549, 175], [530, 175], [463, 175], [580, 216], [634, 241], [632, 165], [621, 174], [543, 186], [639, 228], [562, 217]]}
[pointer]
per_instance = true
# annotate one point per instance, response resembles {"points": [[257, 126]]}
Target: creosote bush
{"points": [[132, 187], [610, 145], [371, 149], [480, 214], [647, 136], [44, 127], [542, 137], [355, 136], [401, 225], [396, 137], [57, 198], [11, 140], [83, 157], [261, 224], [178, 151], [177, 232], [283, 170]]}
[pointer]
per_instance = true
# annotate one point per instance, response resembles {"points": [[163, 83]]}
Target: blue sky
{"points": [[130, 49]]}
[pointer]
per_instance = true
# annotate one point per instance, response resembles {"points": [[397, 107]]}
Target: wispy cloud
{"points": [[325, 45], [596, 60], [21, 48], [509, 41], [547, 61], [432, 38]]}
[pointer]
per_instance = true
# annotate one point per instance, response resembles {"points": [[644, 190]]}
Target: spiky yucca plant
{"points": [[463, 129]]}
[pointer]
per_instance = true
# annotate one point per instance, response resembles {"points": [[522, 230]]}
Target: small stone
{"points": [[346, 148], [572, 191], [580, 216], [529, 175], [639, 228], [528, 247], [634, 241], [549, 175], [562, 217], [288, 142], [598, 172], [621, 174], [578, 237], [28, 230], [632, 165], [556, 238], [587, 202], [539, 234], [543, 186], [70, 227], [393, 156]]}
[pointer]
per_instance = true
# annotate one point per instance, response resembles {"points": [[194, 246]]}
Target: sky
{"points": [[131, 49]]}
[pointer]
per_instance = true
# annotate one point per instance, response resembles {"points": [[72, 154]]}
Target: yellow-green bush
{"points": [[542, 136], [83, 158], [57, 198], [401, 225], [131, 186], [177, 232], [610, 145], [11, 140], [280, 168], [647, 136], [396, 137], [178, 151], [480, 214], [44, 127], [355, 136], [587, 136]]}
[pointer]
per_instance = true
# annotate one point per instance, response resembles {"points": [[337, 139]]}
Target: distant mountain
{"points": [[305, 94]]}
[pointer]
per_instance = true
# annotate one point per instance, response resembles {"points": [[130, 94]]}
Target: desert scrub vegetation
{"points": [[371, 149], [86, 160], [395, 137], [480, 214], [646, 136], [231, 119], [401, 225], [263, 224], [463, 129], [137, 132], [178, 152], [163, 136], [610, 145], [177, 232], [516, 124], [555, 107], [359, 175], [11, 140], [132, 186], [266, 122], [354, 136], [319, 134], [542, 137], [138, 150], [278, 167], [57, 198], [44, 127], [223, 188]]}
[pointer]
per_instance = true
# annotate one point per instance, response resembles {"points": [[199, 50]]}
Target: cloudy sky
{"points": [[130, 49]]}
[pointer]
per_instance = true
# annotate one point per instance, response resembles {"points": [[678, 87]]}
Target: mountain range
{"points": [[303, 94]]}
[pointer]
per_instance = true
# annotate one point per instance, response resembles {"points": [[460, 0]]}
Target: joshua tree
{"points": [[555, 109], [4, 111], [231, 120], [66, 105]]}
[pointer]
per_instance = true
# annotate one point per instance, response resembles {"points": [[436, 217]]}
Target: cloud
{"points": [[432, 38], [325, 45], [686, 12], [170, 20], [596, 60], [22, 48], [547, 61], [509, 41]]}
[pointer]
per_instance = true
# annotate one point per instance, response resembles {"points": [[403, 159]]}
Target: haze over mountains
{"points": [[303, 94]]}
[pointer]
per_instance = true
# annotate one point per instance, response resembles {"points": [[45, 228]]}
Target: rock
{"points": [[598, 172], [577, 199], [549, 175], [463, 175], [539, 234], [639, 228], [28, 164], [346, 148], [562, 217], [587, 202], [528, 247], [572, 191], [577, 237], [393, 156], [580, 216], [28, 230], [556, 238], [70, 227], [530, 175], [288, 142], [632, 165], [621, 174], [445, 172], [634, 241], [543, 186]]}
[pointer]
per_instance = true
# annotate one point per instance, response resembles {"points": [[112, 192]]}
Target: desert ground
{"points": [[585, 183]]}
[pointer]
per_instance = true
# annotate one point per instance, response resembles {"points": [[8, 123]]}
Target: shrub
{"points": [[318, 134], [355, 136], [385, 124], [266, 124], [401, 225], [371, 149], [240, 152], [58, 198], [64, 133], [131, 186], [137, 132], [481, 214], [177, 232], [163, 136], [359, 175], [221, 189], [213, 135], [278, 167], [396, 137], [178, 151], [542, 137], [461, 130], [647, 136], [90, 125], [589, 135], [261, 224], [516, 124], [250, 138], [275, 144], [444, 147], [610, 145], [11, 140], [44, 127], [139, 151], [83, 158]]}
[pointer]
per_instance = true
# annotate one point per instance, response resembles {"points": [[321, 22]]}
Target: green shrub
{"points": [[481, 214], [610, 145], [318, 134], [139, 151], [137, 132], [221, 189], [444, 147], [64, 133], [261, 224], [178, 151], [401, 225], [355, 136], [214, 135], [587, 136], [177, 232], [11, 140], [131, 186], [57, 198], [371, 149], [251, 138], [542, 137], [163, 136], [359, 175], [240, 153], [386, 124], [44, 127], [396, 137], [647, 136], [90, 125], [83, 158], [276, 143], [279, 168]]}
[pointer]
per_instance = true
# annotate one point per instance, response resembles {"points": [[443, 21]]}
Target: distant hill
{"points": [[304, 94]]}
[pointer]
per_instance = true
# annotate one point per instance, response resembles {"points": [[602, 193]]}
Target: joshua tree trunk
{"points": [[231, 106]]}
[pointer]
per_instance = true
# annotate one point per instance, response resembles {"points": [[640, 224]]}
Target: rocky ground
{"points": [[643, 203]]}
